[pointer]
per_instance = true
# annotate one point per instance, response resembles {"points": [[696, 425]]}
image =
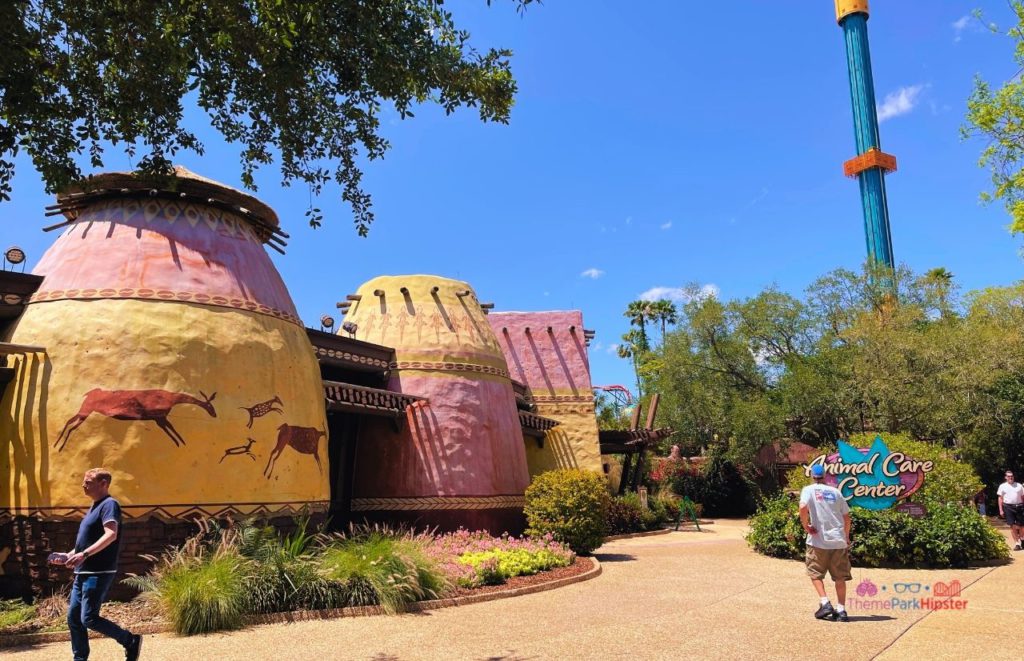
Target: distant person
{"points": [[825, 517], [1011, 506], [979, 501], [94, 560]]}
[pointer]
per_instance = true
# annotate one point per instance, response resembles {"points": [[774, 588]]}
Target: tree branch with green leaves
{"points": [[299, 81]]}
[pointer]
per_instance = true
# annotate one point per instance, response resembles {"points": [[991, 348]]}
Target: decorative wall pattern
{"points": [[461, 453], [427, 503], [146, 306], [164, 295], [174, 511], [547, 351], [163, 250]]}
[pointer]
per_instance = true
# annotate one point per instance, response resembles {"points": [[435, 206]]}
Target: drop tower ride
{"points": [[871, 164]]}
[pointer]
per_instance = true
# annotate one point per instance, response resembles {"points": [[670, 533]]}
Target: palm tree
{"points": [[664, 311], [942, 279], [639, 313], [630, 348]]}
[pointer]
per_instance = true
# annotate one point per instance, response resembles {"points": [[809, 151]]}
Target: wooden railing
{"points": [[369, 401]]}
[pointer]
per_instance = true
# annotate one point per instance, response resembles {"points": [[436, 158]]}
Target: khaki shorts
{"points": [[834, 561]]}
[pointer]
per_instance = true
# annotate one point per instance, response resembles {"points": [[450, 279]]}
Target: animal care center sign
{"points": [[873, 478]]}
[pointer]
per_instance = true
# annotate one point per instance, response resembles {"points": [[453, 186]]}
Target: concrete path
{"points": [[686, 594]]}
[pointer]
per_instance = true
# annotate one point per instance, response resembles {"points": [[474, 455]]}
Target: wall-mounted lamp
{"points": [[14, 256]]}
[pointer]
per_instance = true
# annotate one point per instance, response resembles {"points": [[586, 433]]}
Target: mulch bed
{"points": [[140, 611]]}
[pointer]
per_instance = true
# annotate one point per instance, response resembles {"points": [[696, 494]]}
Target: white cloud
{"points": [[592, 273], [666, 226], [959, 25], [612, 348], [899, 102], [596, 346], [680, 294]]}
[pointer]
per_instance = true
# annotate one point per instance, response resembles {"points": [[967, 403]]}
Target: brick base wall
{"points": [[25, 543]]}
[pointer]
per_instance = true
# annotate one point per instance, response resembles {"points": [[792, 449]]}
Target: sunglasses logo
{"points": [[907, 587]]}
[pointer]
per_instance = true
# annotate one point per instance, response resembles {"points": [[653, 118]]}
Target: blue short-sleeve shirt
{"points": [[91, 529]]}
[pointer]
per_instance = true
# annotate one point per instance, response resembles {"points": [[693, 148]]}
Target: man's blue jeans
{"points": [[87, 595]]}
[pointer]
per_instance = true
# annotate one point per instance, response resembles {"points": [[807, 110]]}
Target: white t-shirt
{"points": [[1013, 494], [827, 509]]}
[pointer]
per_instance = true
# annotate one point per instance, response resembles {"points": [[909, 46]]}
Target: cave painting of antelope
{"points": [[305, 440], [152, 405], [261, 409]]}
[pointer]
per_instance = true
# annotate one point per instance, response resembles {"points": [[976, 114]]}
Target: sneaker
{"points": [[824, 612], [841, 616], [132, 650]]}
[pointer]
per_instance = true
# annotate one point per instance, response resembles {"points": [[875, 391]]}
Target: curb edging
{"points": [[631, 535], [30, 639]]}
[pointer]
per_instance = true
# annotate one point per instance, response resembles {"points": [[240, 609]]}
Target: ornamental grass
{"points": [[220, 575]]}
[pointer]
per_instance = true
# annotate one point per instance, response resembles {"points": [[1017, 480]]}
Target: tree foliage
{"points": [[300, 80], [939, 367], [997, 116]]}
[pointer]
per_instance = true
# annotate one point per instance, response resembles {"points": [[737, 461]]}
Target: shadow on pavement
{"points": [[871, 618], [614, 557]]}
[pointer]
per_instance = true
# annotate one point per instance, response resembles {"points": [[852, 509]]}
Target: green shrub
{"points": [[627, 514], [221, 574], [949, 482], [667, 502], [284, 576], [719, 486], [201, 585], [948, 536], [395, 565], [209, 596], [15, 611], [659, 511], [570, 504], [775, 530]]}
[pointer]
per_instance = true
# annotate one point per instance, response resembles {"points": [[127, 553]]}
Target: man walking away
{"points": [[94, 560], [825, 517], [1011, 507]]}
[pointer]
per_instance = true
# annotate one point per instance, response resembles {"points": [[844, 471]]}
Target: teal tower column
{"points": [[871, 164]]}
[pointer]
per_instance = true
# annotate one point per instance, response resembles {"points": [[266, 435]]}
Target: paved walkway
{"points": [[685, 594]]}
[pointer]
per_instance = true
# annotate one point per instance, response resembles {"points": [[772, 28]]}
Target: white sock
{"points": [[840, 608], [824, 600]]}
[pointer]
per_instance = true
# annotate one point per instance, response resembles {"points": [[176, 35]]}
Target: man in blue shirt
{"points": [[94, 560]]}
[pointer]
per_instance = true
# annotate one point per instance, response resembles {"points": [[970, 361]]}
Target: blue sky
{"points": [[653, 144]]}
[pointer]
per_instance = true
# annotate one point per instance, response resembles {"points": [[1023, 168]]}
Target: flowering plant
{"points": [[477, 558], [667, 469]]}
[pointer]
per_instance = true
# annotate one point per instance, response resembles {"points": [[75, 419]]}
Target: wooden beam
{"points": [[625, 473], [6, 349], [635, 422], [653, 411], [638, 471]]}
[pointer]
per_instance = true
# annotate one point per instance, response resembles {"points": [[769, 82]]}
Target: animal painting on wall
{"points": [[304, 440], [240, 450], [134, 405], [263, 408]]}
